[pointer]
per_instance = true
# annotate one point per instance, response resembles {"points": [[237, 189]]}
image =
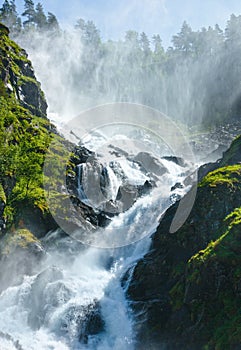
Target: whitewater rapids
{"points": [[47, 310]]}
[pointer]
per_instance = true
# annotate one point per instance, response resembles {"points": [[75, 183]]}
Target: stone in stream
{"points": [[38, 296], [86, 320], [150, 163]]}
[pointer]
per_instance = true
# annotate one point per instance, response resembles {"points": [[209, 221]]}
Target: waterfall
{"points": [[114, 183], [80, 172], [77, 301]]}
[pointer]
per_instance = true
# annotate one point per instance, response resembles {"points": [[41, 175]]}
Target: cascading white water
{"points": [[48, 310]]}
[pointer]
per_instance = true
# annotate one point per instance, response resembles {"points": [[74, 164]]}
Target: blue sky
{"points": [[114, 17]]}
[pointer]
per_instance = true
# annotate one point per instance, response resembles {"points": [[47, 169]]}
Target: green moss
{"points": [[229, 176], [24, 237], [3, 90], [226, 322], [194, 276], [24, 140], [207, 288], [177, 295], [12, 62], [223, 310], [226, 247], [178, 269], [13, 49], [2, 194], [202, 255], [234, 218], [24, 79], [24, 143], [9, 214], [21, 238]]}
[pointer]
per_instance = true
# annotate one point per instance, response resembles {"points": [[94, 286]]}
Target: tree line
{"points": [[197, 80], [33, 17]]}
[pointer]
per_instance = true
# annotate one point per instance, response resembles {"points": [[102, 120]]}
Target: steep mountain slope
{"points": [[17, 76], [25, 138], [25, 134], [186, 290]]}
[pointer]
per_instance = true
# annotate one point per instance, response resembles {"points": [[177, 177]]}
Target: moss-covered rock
{"points": [[19, 239], [24, 140], [17, 75], [215, 274], [233, 154], [4, 30], [186, 290], [20, 254], [228, 176]]}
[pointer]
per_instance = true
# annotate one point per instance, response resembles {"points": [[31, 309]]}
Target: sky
{"points": [[164, 17]]}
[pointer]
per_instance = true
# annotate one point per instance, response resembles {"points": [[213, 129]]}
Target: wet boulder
{"points": [[83, 320], [20, 253], [150, 163], [41, 299]]}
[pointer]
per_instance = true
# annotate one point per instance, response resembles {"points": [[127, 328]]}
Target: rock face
{"points": [[87, 319], [17, 74], [25, 134], [80, 156], [49, 290], [209, 147], [233, 154], [38, 296], [150, 163], [186, 290], [111, 192], [91, 322], [20, 253]]}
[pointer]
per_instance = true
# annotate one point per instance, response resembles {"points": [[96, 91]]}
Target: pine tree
{"points": [[5, 11], [131, 38], [183, 41], [80, 24], [9, 16], [92, 34], [80, 27], [145, 43], [29, 13], [52, 22], [158, 48], [232, 31], [40, 18]]}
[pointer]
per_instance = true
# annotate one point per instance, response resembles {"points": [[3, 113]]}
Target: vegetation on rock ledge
{"points": [[24, 141], [188, 286]]}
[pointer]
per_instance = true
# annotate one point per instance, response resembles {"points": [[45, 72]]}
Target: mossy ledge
{"points": [[17, 76], [25, 136], [186, 290]]}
